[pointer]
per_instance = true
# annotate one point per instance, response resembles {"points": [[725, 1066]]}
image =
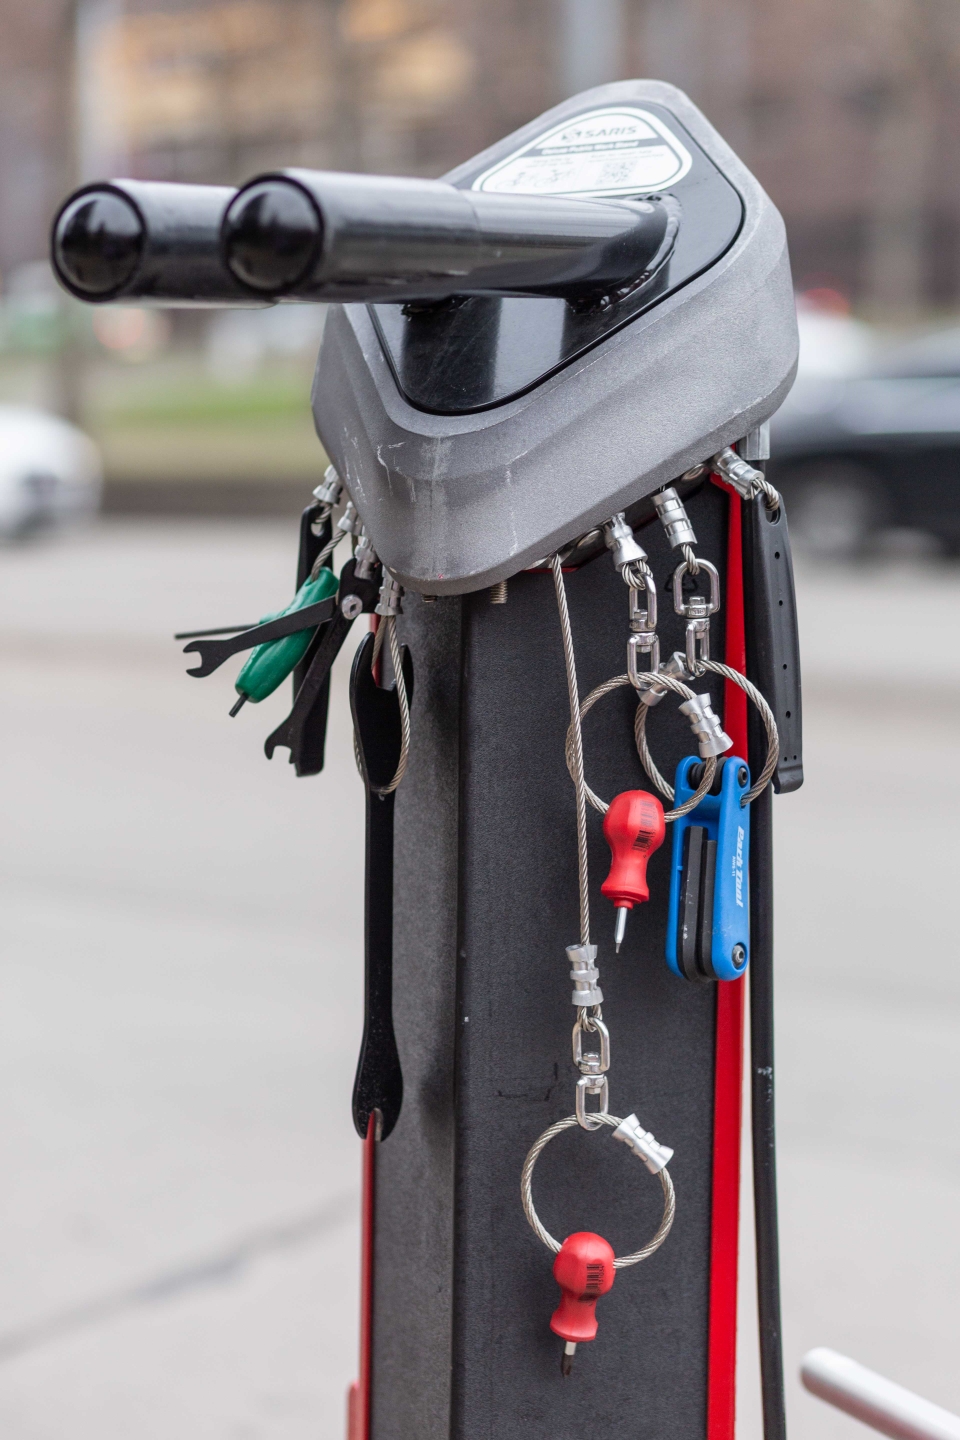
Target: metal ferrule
{"points": [[365, 558], [350, 522], [705, 724], [618, 538], [656, 1157], [740, 475], [676, 668], [674, 518], [329, 492], [391, 593], [584, 974]]}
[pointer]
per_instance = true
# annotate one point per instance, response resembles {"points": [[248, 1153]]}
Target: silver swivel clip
{"points": [[696, 610], [643, 632], [593, 1066]]}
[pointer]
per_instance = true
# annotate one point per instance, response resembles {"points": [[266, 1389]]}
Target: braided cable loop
{"points": [[692, 563], [387, 631], [761, 486], [662, 784], [326, 552], [769, 724], [710, 767], [771, 496], [533, 1219], [638, 575]]}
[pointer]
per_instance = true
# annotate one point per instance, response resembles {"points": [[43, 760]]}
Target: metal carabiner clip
{"points": [[643, 638], [697, 644], [638, 645], [592, 1085], [593, 1067], [696, 610], [643, 612]]}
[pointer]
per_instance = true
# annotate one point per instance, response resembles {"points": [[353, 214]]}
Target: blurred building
{"points": [[848, 113]]}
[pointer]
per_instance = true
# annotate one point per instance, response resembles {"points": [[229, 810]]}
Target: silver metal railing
{"points": [[879, 1403]]}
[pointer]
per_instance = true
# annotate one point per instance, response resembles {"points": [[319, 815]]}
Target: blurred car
{"points": [[50, 472], [874, 448]]}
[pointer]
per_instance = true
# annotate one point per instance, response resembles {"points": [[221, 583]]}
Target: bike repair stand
{"points": [[508, 415]]}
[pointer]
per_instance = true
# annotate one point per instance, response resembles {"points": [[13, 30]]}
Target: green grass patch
{"points": [[281, 398]]}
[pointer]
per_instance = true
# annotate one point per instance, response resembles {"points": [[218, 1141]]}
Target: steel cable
{"points": [[710, 767], [579, 784], [529, 1209]]}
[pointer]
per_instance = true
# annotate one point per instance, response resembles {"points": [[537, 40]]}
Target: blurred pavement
{"points": [[178, 1235], [178, 1218], [868, 993]]}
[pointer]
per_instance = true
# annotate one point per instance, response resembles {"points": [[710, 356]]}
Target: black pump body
{"points": [[571, 320], [478, 435]]}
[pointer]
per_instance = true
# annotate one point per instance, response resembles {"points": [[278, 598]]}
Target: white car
{"points": [[50, 472]]}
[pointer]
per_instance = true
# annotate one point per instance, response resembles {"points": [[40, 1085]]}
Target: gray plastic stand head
{"points": [[455, 502]]}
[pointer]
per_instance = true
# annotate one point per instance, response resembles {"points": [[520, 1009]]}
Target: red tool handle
{"points": [[634, 828], [584, 1271]]}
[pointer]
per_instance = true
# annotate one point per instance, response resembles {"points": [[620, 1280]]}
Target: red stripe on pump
{"points": [[358, 1401], [728, 1067]]}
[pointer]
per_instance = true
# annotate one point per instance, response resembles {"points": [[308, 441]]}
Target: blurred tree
{"points": [[849, 114]]}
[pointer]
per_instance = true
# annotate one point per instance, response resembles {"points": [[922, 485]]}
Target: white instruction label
{"points": [[616, 151]]}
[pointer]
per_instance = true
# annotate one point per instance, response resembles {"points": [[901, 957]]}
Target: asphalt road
{"points": [[181, 1004]]}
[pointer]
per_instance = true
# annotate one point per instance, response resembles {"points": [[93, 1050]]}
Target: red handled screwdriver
{"points": [[584, 1271], [634, 827]]}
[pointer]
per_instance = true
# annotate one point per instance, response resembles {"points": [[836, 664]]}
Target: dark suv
{"points": [[858, 455]]}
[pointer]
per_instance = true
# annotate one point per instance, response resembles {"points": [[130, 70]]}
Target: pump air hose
{"points": [[763, 1121]]}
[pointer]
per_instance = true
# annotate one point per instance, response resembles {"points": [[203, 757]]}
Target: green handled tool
{"points": [[270, 663]]}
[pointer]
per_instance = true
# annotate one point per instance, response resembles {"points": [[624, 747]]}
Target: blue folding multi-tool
{"points": [[708, 926]]}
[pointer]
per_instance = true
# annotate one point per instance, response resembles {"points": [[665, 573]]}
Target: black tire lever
{"points": [[213, 652], [376, 717], [292, 731], [304, 729]]}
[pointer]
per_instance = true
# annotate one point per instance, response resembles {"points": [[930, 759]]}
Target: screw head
{"points": [[739, 956], [742, 775], [351, 606]]}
